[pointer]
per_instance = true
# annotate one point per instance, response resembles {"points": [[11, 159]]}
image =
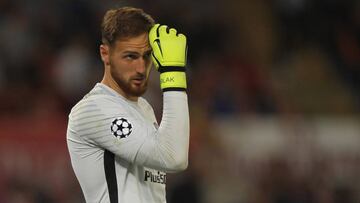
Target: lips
{"points": [[138, 80]]}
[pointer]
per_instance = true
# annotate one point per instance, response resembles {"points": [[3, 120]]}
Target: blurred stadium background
{"points": [[274, 91]]}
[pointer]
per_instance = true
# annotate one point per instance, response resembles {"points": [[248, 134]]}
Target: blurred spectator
{"points": [[75, 69]]}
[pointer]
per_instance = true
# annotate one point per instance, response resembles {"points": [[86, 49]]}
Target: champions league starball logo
{"points": [[121, 128]]}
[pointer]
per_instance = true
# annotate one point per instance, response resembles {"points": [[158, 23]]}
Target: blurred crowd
{"points": [[249, 57]]}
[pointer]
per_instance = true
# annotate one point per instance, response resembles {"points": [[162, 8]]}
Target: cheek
{"points": [[118, 69]]}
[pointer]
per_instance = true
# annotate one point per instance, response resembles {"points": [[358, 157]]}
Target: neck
{"points": [[110, 82]]}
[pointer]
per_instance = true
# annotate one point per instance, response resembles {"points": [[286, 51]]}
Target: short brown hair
{"points": [[124, 22]]}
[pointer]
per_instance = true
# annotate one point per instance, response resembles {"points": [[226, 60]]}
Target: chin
{"points": [[138, 91]]}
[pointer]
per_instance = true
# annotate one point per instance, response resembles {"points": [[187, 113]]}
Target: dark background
{"points": [[273, 93]]}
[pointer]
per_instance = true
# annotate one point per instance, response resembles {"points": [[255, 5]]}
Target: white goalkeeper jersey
{"points": [[119, 153]]}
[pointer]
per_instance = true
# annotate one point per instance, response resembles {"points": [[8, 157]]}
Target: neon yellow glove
{"points": [[169, 56]]}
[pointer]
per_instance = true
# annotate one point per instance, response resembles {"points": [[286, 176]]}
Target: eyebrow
{"points": [[130, 52], [148, 51], [137, 53]]}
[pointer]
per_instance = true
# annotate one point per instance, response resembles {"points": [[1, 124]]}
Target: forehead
{"points": [[138, 43]]}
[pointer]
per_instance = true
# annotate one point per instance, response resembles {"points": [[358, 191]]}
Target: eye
{"points": [[147, 55], [131, 56]]}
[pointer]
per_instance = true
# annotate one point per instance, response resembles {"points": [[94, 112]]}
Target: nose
{"points": [[141, 66]]}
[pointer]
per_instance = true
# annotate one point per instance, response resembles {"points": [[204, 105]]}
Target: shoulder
{"points": [[105, 105], [93, 102]]}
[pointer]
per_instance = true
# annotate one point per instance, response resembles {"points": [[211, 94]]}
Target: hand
{"points": [[169, 56]]}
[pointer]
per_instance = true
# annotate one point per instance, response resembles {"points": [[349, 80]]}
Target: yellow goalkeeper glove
{"points": [[169, 56]]}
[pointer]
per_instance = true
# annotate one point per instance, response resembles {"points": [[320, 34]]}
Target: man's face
{"points": [[130, 64]]}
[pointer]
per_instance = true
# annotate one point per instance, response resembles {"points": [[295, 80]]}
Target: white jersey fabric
{"points": [[119, 153]]}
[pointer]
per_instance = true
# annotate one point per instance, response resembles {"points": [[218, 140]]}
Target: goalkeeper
{"points": [[118, 152]]}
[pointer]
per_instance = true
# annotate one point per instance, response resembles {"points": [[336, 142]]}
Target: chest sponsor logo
{"points": [[158, 177]]}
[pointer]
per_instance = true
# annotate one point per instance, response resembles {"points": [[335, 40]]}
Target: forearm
{"points": [[168, 149], [173, 138]]}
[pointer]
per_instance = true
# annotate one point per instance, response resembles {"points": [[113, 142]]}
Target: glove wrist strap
{"points": [[173, 80], [163, 69]]}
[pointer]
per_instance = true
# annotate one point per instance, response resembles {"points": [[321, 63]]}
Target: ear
{"points": [[105, 54]]}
